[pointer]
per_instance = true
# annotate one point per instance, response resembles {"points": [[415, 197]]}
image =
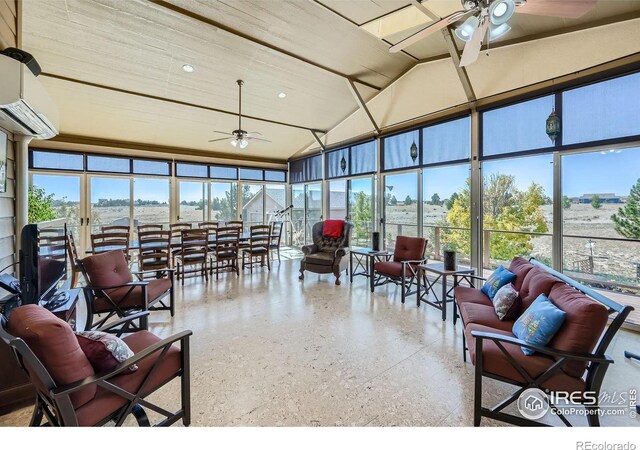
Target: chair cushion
{"points": [[507, 302], [107, 269], [465, 294], [474, 313], [256, 250], [104, 350], [53, 342], [495, 362], [320, 258], [409, 248], [391, 268], [537, 281], [498, 278], [106, 403], [584, 323], [332, 228], [155, 289], [539, 323], [520, 267]]}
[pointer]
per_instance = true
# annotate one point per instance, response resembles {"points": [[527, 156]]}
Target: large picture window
{"points": [[447, 142], [402, 150]]}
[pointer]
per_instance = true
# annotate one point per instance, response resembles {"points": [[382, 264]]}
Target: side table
{"points": [[440, 301], [365, 259]]}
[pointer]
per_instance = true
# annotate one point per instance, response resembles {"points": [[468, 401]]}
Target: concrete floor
{"points": [[269, 350]]}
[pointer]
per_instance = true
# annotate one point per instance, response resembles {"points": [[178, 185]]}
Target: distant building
{"points": [[604, 198]]}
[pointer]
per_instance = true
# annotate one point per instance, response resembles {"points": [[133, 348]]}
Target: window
{"points": [[191, 170], [224, 201], [517, 128], [337, 199], [151, 201], [108, 164], [252, 205], [361, 210], [335, 162], [447, 141], [605, 110], [193, 201], [401, 206], [306, 169], [275, 175], [398, 151], [223, 172], [149, 167], [364, 158], [251, 174], [56, 160], [110, 202]]}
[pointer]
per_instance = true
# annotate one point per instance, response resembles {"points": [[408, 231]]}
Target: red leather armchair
{"points": [[402, 270]]}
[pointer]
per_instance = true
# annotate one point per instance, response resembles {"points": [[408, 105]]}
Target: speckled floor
{"points": [[269, 350]]}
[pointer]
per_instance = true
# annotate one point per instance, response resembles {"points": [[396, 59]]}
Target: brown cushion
{"points": [[391, 268], [583, 325], [465, 294], [537, 281], [53, 342], [483, 315], [409, 248], [495, 362], [155, 289], [520, 267], [107, 269], [106, 403], [103, 350], [320, 258]]}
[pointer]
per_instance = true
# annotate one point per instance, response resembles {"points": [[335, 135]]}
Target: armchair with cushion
{"points": [[403, 268], [111, 291], [69, 392], [327, 253]]}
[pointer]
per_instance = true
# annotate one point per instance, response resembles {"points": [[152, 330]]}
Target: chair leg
{"points": [[140, 415], [278, 253], [477, 396], [268, 262], [402, 288], [36, 417]]}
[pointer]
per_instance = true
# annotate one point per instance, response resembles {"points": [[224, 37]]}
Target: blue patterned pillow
{"points": [[539, 323], [497, 279]]}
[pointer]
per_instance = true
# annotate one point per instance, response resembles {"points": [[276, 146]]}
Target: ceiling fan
{"points": [[482, 21], [240, 137]]}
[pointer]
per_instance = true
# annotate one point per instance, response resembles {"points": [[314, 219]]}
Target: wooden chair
{"points": [[72, 252], [176, 230], [116, 229], [208, 225], [73, 394], [105, 242], [225, 250], [258, 247], [194, 251], [235, 223], [111, 291], [150, 227], [155, 251], [276, 237]]}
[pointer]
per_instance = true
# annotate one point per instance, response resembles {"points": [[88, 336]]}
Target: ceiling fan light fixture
{"points": [[501, 11], [243, 143], [234, 142], [468, 27], [496, 31]]}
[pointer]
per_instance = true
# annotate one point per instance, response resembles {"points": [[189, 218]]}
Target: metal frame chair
{"points": [[406, 282], [53, 401]]}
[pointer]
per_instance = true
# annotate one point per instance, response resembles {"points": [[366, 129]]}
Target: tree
{"points": [[566, 202], [505, 208], [435, 200], [451, 200], [596, 202], [393, 201], [361, 216], [229, 204], [627, 220], [408, 201], [40, 205]]}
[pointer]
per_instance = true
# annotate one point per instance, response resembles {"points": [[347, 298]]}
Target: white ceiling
{"points": [[138, 46]]}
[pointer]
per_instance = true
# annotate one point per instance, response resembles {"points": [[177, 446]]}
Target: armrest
{"points": [[121, 322], [308, 249], [140, 274], [76, 386], [341, 251], [414, 262], [585, 357], [130, 283]]}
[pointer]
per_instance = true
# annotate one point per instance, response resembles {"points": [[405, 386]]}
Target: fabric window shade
{"points": [[148, 167], [306, 169], [223, 172], [397, 150], [333, 163], [251, 174], [446, 142], [275, 175], [192, 170], [363, 158], [56, 160], [108, 164]]}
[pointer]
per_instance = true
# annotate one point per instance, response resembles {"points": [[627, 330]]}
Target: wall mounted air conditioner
{"points": [[25, 106]]}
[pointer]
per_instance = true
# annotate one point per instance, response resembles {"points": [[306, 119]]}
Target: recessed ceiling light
{"points": [[188, 68], [282, 95]]}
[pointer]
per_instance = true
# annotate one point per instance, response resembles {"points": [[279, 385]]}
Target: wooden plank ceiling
{"points": [[98, 54]]}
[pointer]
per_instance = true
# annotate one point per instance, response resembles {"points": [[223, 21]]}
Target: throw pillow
{"points": [[507, 302], [332, 228], [499, 278], [539, 323], [103, 350]]}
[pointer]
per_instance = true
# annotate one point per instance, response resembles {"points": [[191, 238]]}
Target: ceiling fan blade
{"points": [[254, 133], [222, 132], [258, 139], [216, 140], [566, 9], [472, 48], [430, 29]]}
